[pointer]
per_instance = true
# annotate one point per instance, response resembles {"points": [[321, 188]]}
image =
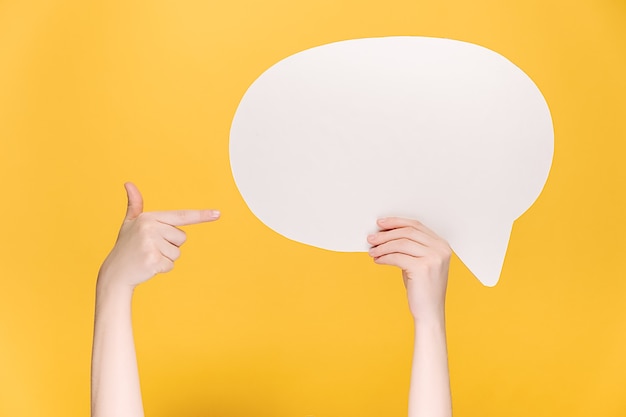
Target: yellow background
{"points": [[93, 94]]}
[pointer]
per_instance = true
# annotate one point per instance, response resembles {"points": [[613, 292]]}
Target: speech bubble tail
{"points": [[484, 255]]}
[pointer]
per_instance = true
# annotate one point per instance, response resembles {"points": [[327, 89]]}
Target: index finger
{"points": [[388, 223], [185, 217]]}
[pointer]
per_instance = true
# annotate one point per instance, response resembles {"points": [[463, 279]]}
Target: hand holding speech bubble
{"points": [[447, 132]]}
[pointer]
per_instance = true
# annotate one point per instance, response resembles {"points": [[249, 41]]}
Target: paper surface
{"points": [[447, 132]]}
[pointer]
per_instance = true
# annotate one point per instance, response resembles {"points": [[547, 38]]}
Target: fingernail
{"points": [[215, 213]]}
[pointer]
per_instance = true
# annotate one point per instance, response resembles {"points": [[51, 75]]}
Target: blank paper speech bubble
{"points": [[447, 132]]}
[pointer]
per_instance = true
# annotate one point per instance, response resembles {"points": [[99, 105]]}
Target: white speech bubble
{"points": [[453, 134]]}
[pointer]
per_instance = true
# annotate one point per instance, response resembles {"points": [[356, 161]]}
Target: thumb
{"points": [[135, 201]]}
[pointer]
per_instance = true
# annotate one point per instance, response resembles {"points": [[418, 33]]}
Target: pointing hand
{"points": [[148, 243]]}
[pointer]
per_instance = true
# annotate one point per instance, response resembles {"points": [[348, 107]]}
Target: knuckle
{"points": [[438, 258], [414, 233], [183, 215], [446, 250], [405, 241], [416, 223], [151, 258], [144, 217], [145, 225]]}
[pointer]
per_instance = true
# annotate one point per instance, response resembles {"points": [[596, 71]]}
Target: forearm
{"points": [[147, 244], [430, 382], [115, 390]]}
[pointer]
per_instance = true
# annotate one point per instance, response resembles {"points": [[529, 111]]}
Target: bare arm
{"points": [[424, 259], [148, 244]]}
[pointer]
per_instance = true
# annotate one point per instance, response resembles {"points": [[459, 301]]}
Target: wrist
{"points": [[431, 319], [109, 289], [429, 330]]}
